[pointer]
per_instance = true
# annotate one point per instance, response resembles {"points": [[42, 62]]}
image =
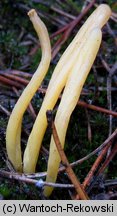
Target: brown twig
{"points": [[97, 108], [4, 110], [21, 81], [88, 125], [108, 159], [110, 183], [111, 72], [104, 166], [56, 47], [62, 12], [68, 169], [10, 82], [25, 179], [109, 95], [109, 100], [111, 32], [16, 72], [16, 78], [95, 166]]}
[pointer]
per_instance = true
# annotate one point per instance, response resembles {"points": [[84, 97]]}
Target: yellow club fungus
{"points": [[59, 78], [69, 100], [13, 133]]}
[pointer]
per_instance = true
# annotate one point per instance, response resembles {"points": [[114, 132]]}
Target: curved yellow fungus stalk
{"points": [[13, 132], [69, 100], [97, 19]]}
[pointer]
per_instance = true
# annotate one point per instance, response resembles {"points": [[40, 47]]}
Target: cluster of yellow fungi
{"points": [[70, 72]]}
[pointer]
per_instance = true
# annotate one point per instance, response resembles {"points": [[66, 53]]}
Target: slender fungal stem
{"points": [[69, 99], [59, 78], [13, 133]]}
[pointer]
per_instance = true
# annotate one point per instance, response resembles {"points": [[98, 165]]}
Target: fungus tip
{"points": [[31, 13]]}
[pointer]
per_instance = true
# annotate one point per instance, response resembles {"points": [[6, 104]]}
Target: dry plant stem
{"points": [[111, 183], [95, 166], [89, 131], [4, 110], [96, 108], [62, 12], [57, 83], [111, 32], [109, 95], [21, 73], [23, 178], [104, 166], [32, 111], [79, 189], [17, 73], [69, 99], [111, 72], [108, 159], [10, 82], [16, 78], [14, 125], [109, 101], [20, 80]]}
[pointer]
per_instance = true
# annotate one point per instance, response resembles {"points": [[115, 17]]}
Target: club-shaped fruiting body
{"points": [[69, 100], [59, 78], [13, 133]]}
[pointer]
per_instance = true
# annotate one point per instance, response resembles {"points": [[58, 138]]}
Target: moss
{"points": [[5, 191], [36, 60]]}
